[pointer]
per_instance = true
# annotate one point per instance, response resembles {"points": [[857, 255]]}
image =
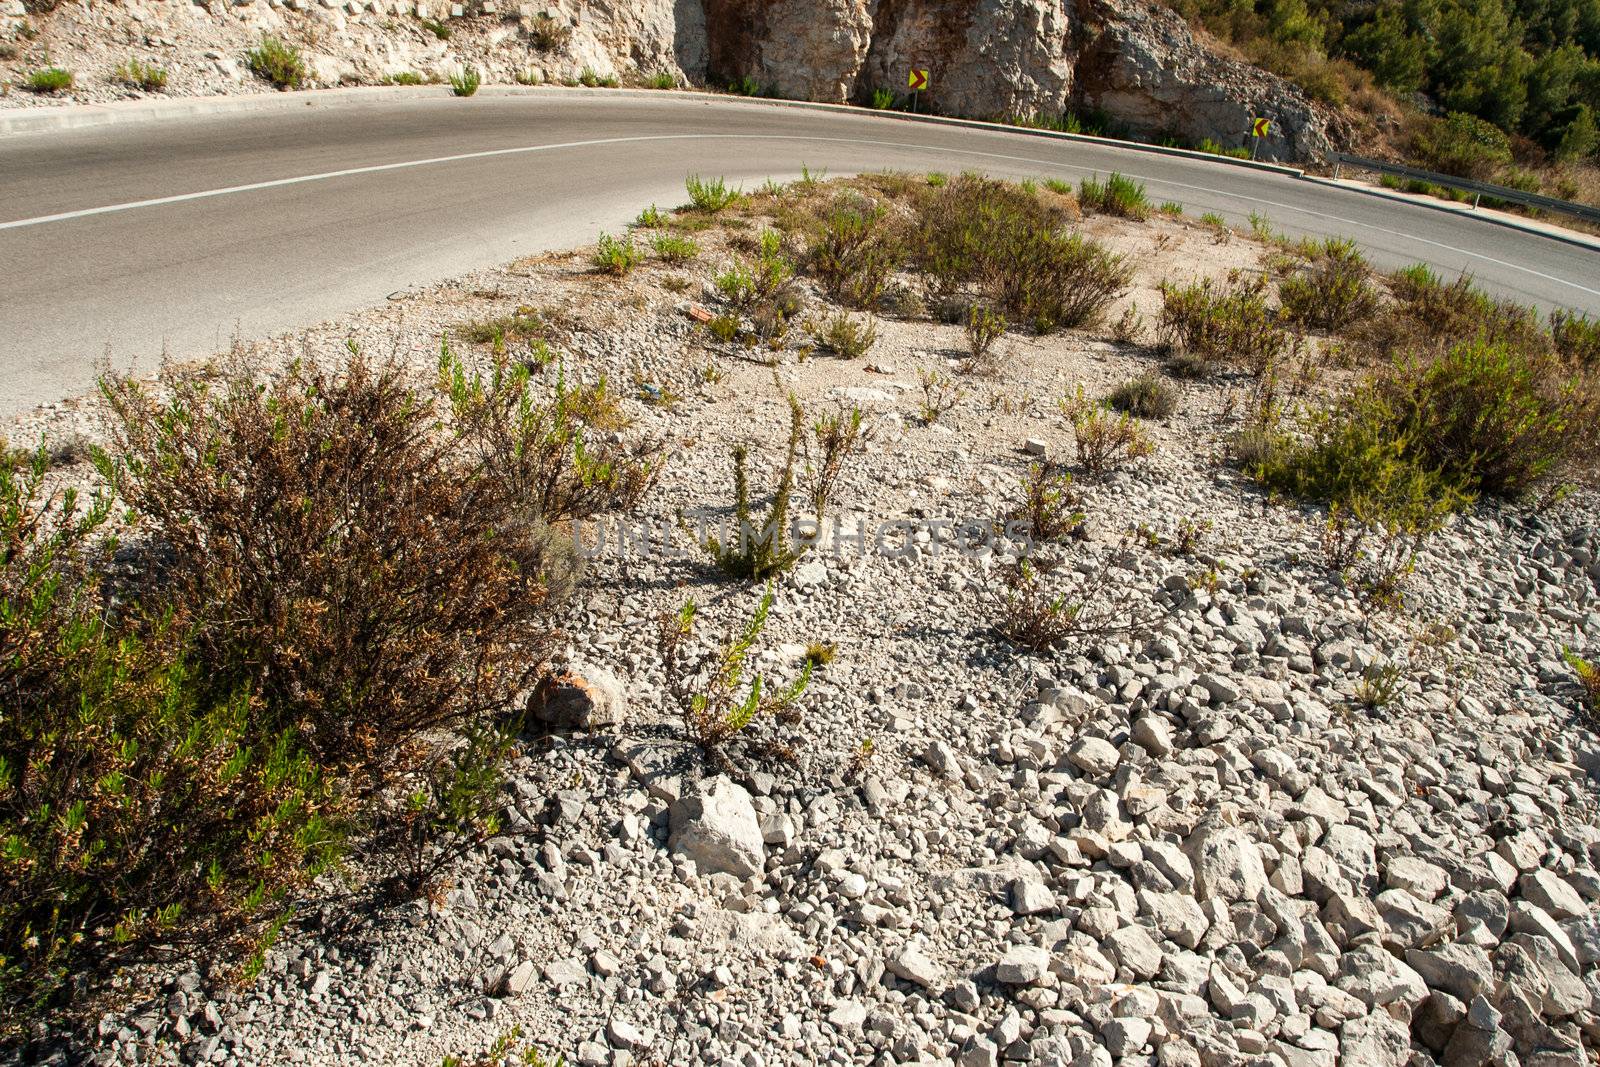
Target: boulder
{"points": [[717, 828]]}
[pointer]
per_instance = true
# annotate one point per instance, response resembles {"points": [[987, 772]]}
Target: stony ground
{"points": [[1193, 842]]}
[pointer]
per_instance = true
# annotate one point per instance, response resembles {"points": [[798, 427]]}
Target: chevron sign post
{"points": [[1259, 128], [918, 82]]}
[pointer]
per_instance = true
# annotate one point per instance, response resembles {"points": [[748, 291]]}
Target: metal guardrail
{"points": [[1477, 189]]}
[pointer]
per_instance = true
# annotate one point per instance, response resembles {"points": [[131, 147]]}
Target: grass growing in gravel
{"points": [[1104, 441], [755, 548], [49, 80], [143, 76], [1588, 675], [845, 336], [277, 64], [1117, 195], [672, 248], [465, 81], [1147, 397]]}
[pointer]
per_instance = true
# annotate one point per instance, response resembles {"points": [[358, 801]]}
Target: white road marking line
{"points": [[598, 142]]}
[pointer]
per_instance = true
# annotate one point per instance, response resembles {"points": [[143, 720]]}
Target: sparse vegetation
{"points": [[277, 64], [1146, 397], [940, 395], [1380, 686], [984, 328], [146, 77], [546, 34], [834, 439], [845, 336], [1050, 506], [757, 551], [1104, 441], [1588, 675], [675, 249], [616, 255], [435, 27], [465, 81], [709, 194], [49, 80], [1042, 605], [710, 687], [1118, 195]]}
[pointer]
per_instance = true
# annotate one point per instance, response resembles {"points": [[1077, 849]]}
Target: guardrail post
{"points": [[1475, 198], [1336, 170]]}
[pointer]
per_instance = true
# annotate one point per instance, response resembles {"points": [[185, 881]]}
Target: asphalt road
{"points": [[270, 220]]}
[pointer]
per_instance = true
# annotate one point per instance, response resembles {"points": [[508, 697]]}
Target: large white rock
{"points": [[717, 828], [1226, 863]]}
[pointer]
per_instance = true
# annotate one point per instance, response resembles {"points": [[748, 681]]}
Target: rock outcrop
{"points": [[1133, 61]]}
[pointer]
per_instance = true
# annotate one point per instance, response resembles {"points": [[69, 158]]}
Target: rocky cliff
{"points": [[1133, 62]]}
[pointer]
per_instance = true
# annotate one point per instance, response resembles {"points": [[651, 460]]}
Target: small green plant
{"points": [[546, 34], [616, 255], [1216, 222], [146, 77], [1050, 505], [465, 81], [754, 551], [845, 336], [651, 218], [1171, 208], [854, 252], [49, 80], [594, 80], [940, 395], [710, 688], [676, 249], [1380, 686], [1043, 606], [834, 439], [405, 77], [1588, 675], [277, 64], [661, 80], [724, 327], [984, 328], [1576, 338], [1105, 442], [883, 99], [744, 86], [435, 27], [1118, 195], [1147, 397], [709, 194], [529, 76], [820, 653]]}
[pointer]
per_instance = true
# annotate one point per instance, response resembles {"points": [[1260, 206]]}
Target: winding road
{"points": [[132, 238]]}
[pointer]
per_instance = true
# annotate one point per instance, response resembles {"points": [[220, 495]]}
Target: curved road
{"points": [[174, 234]]}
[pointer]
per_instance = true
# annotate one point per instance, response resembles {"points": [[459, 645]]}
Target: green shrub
{"points": [[844, 335], [594, 80], [1054, 280], [672, 248], [661, 80], [854, 252], [1577, 338], [1496, 418], [465, 82], [277, 64], [984, 328], [1332, 291], [1049, 503], [49, 80], [616, 255], [144, 76], [709, 194], [1588, 675], [836, 438], [1203, 326], [1104, 442], [542, 450], [882, 99], [940, 395], [1429, 316], [1463, 145], [548, 35], [525, 324], [1146, 397], [1118, 195], [963, 230], [405, 77], [437, 28]]}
